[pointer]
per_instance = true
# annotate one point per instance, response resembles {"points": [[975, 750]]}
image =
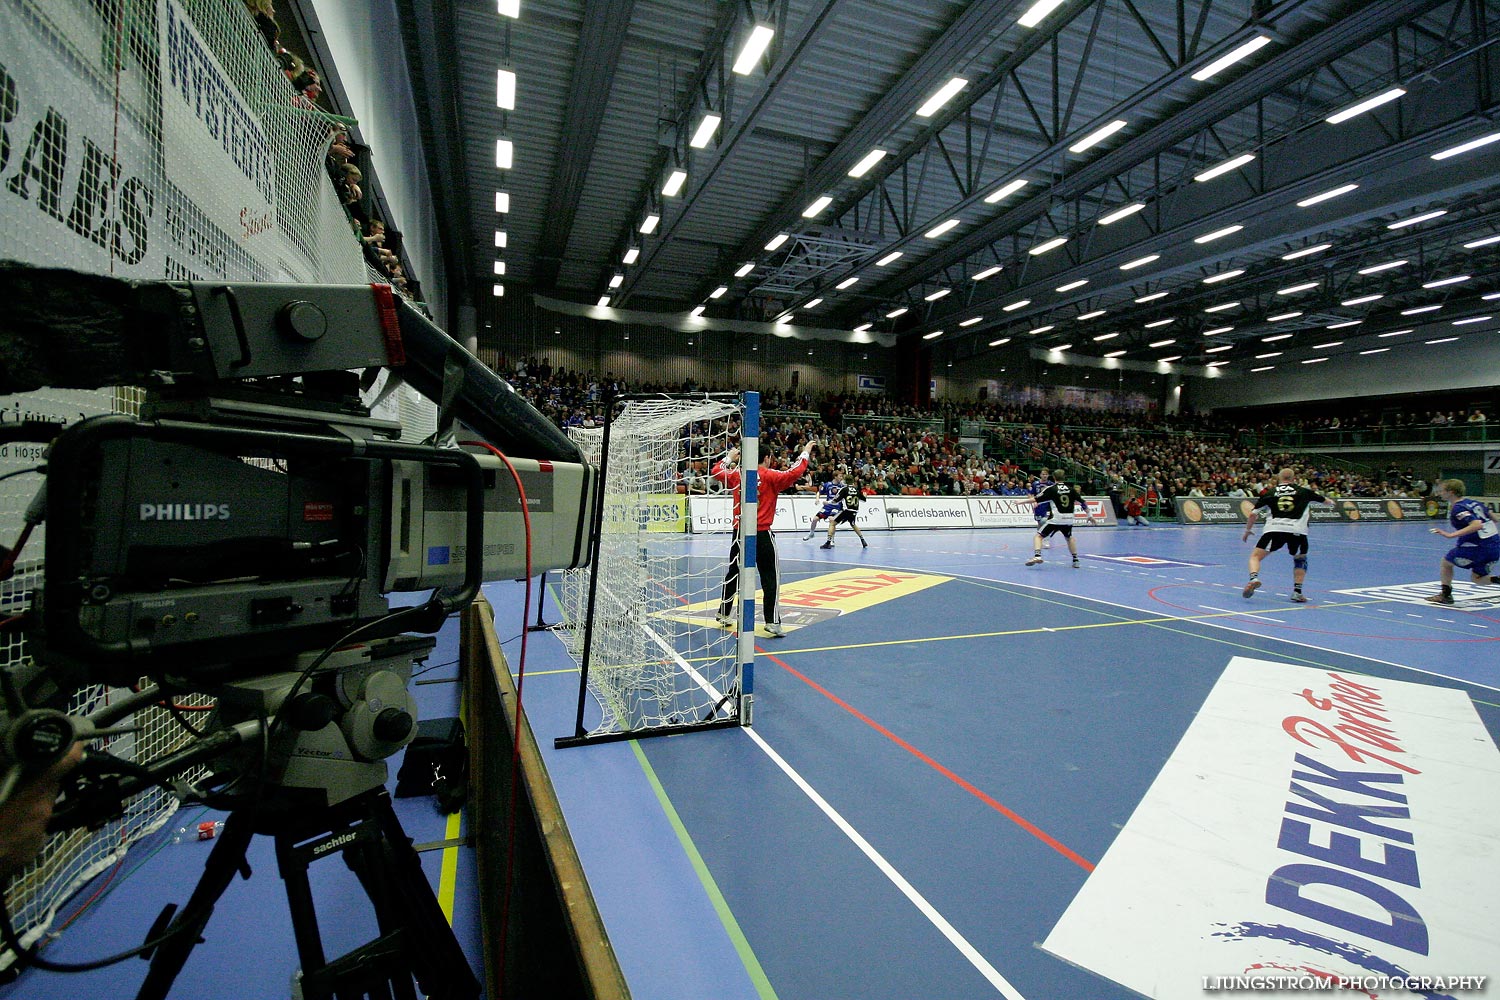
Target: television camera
{"points": [[254, 535]]}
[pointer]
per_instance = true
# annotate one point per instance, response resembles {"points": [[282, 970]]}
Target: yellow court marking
{"points": [[448, 874], [827, 595]]}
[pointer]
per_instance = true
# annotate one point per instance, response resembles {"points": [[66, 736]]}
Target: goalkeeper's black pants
{"points": [[765, 564]]}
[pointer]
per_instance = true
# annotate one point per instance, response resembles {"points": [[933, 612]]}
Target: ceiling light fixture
{"points": [[1360, 300], [1141, 262], [501, 239], [1441, 340], [864, 166], [997, 343], [1217, 234], [941, 228], [1163, 343], [1331, 343], [1037, 11], [1051, 244], [502, 201], [755, 46], [505, 154], [888, 258], [1264, 368], [971, 321], [1368, 104], [777, 240], [1306, 251], [1221, 307], [1217, 350], [675, 180], [745, 269], [698, 310], [988, 272], [1114, 354], [1160, 322], [1436, 213], [1376, 350], [1416, 310], [1330, 193], [1072, 285], [1097, 136], [934, 296], [704, 133], [1483, 140], [863, 327], [616, 281], [1214, 279], [1279, 336], [1233, 56], [718, 292], [812, 303], [897, 312], [1472, 319], [847, 283], [1060, 347], [1281, 316], [817, 206], [1093, 314], [1175, 357], [1005, 190], [1440, 282], [1377, 268], [1121, 213], [632, 254], [1476, 244], [510, 8], [603, 301], [1344, 324], [648, 224], [1217, 330], [505, 89], [1268, 354], [1152, 297], [1018, 304], [1398, 333], [1294, 289], [1105, 336], [497, 290], [943, 96], [1314, 361], [499, 268], [933, 335], [1225, 167]]}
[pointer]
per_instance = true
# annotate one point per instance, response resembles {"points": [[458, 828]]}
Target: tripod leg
{"points": [[226, 858]]}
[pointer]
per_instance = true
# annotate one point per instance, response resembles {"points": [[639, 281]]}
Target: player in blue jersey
{"points": [[1477, 537], [829, 492]]}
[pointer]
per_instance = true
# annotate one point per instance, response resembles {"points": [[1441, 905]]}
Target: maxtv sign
{"points": [[1309, 822]]}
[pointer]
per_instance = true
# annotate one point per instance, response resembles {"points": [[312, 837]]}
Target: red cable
{"points": [[515, 752]]}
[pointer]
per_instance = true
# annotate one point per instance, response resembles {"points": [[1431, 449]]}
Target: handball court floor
{"points": [[924, 804]]}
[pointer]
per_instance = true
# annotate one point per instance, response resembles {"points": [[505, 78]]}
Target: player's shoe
{"points": [[1298, 597], [1076, 564], [1033, 560], [1440, 598], [1250, 587], [826, 545], [774, 630], [724, 620], [865, 544]]}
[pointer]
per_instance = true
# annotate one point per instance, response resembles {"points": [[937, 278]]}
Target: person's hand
{"points": [[1246, 536], [24, 816]]}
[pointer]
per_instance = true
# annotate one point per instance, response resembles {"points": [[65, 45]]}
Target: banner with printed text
{"points": [[1234, 510]]}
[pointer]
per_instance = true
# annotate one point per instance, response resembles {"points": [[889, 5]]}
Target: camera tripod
{"points": [[415, 939]]}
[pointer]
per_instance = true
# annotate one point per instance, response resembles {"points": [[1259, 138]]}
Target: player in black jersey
{"points": [[1065, 502], [849, 498], [1289, 506]]}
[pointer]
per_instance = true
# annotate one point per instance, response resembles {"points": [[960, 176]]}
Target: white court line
{"points": [[988, 971], [927, 910]]}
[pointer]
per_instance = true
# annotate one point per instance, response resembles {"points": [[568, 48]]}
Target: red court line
{"points": [[978, 793]]}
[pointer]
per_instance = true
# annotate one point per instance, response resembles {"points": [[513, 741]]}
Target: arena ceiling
{"points": [[1219, 183]]}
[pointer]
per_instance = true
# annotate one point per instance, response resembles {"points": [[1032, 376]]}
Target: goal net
{"points": [[643, 620]]}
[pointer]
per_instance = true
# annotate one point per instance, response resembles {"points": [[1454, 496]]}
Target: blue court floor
{"points": [[1044, 782]]}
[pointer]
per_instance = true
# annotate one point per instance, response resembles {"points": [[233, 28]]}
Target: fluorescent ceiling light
{"points": [[943, 96], [1214, 279], [603, 300], [616, 281], [698, 310], [505, 89], [1472, 319], [1360, 300], [502, 201], [1413, 220], [510, 8], [941, 228], [1105, 336], [1314, 361], [1114, 354], [1059, 347], [1368, 104], [894, 313], [1097, 136], [863, 327], [1441, 340], [1072, 285], [1040, 330], [1397, 333], [1331, 343], [1051, 244], [501, 239], [1216, 350], [1221, 307], [1264, 368], [632, 254], [1225, 167], [1268, 354], [1476, 244], [1281, 316], [1152, 297], [1160, 322], [648, 224], [1217, 234], [988, 272], [1376, 350], [812, 303], [1095, 314], [1005, 190], [1217, 330], [1330, 193], [499, 268], [1002, 340], [847, 283], [505, 154], [704, 133], [1175, 357], [933, 297], [1415, 310], [1279, 336], [1306, 251], [1233, 56], [1037, 11], [675, 180], [1121, 213], [777, 240], [1377, 268], [971, 321], [888, 258], [755, 46], [717, 292], [863, 167], [1491, 296], [933, 335], [1294, 289], [1439, 283], [1018, 304], [817, 206], [1344, 324], [1163, 343], [497, 290], [785, 319], [1483, 140], [1141, 262], [745, 269]]}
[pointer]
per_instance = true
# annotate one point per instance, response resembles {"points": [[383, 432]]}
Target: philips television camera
{"points": [[255, 512]]}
